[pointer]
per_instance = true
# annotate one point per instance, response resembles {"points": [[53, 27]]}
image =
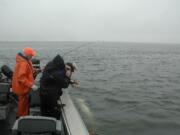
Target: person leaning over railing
{"points": [[56, 75]]}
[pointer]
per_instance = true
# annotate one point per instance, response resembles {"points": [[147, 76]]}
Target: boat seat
{"points": [[35, 102], [36, 125], [4, 93], [35, 98]]}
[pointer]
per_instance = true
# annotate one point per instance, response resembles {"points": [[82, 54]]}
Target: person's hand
{"points": [[75, 83], [34, 87]]}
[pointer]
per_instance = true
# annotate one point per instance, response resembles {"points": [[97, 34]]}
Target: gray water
{"points": [[125, 88]]}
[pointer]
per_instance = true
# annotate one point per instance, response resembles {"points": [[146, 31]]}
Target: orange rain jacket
{"points": [[22, 76]]}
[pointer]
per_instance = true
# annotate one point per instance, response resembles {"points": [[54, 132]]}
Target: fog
{"points": [[90, 20]]}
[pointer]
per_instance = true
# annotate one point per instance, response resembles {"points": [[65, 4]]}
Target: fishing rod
{"points": [[75, 48], [69, 51]]}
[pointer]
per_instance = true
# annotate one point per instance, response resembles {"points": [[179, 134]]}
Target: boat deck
{"points": [[70, 118]]}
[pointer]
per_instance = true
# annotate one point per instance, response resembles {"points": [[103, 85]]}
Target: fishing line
{"points": [[69, 51], [75, 49]]}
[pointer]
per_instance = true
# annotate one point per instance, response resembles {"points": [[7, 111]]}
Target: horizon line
{"points": [[98, 41]]}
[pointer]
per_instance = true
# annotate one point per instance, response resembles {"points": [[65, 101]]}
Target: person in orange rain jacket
{"points": [[23, 80]]}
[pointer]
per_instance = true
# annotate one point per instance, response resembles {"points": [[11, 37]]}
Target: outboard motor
{"points": [[7, 72], [6, 94], [5, 85]]}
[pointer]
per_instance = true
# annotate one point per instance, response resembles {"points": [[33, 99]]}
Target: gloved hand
{"points": [[34, 87], [75, 83]]}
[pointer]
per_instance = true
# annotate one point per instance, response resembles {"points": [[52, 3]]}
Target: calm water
{"points": [[126, 89]]}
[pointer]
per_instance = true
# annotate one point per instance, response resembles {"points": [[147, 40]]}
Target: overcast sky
{"points": [[90, 20]]}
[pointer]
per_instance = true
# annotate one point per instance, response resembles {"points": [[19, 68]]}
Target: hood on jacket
{"points": [[56, 63], [21, 58]]}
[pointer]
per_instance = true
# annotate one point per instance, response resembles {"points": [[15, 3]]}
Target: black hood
{"points": [[56, 63], [59, 62]]}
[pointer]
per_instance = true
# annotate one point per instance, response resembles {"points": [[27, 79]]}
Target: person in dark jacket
{"points": [[56, 75]]}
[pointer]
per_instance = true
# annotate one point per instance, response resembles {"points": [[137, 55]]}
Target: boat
{"points": [[70, 122]]}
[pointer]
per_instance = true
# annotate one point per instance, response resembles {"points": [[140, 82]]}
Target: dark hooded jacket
{"points": [[53, 78]]}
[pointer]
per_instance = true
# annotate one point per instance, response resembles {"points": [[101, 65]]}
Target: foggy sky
{"points": [[90, 20]]}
